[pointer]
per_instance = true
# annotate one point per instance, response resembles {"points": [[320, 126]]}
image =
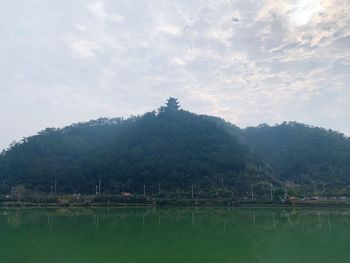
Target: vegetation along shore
{"points": [[172, 156]]}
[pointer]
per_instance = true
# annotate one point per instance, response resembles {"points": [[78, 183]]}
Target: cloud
{"points": [[97, 8], [245, 60], [169, 29], [84, 48]]}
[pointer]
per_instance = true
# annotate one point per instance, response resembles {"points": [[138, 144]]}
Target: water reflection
{"points": [[258, 218], [201, 234]]}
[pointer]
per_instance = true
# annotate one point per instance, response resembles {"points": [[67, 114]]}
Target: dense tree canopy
{"points": [[301, 152], [174, 149]]}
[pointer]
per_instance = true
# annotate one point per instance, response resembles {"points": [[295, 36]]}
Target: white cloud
{"points": [[274, 61], [97, 8], [169, 29], [84, 48]]}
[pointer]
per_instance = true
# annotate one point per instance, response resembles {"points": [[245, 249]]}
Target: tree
{"points": [[279, 193], [175, 148], [18, 192]]}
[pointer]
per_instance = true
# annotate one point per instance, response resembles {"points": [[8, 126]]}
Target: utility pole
{"points": [[252, 191], [324, 190], [285, 187], [51, 190], [144, 190], [298, 185], [99, 187], [315, 187], [96, 189], [271, 192], [192, 191]]}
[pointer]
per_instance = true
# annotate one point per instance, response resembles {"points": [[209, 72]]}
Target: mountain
{"points": [[302, 153], [173, 150]]}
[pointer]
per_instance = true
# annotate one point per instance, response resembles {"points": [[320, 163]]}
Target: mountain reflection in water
{"points": [[174, 235]]}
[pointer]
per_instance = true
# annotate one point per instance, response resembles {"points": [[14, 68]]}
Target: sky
{"points": [[247, 61]]}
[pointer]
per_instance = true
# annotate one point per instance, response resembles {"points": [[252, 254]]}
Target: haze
{"points": [[247, 61]]}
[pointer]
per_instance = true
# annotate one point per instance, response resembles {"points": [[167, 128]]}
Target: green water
{"points": [[174, 235]]}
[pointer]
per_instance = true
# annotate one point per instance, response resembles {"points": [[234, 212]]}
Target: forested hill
{"points": [[175, 149], [298, 152]]}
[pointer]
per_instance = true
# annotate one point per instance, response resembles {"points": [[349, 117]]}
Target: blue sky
{"points": [[247, 61]]}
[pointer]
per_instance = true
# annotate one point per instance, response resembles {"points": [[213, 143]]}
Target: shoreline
{"points": [[318, 204]]}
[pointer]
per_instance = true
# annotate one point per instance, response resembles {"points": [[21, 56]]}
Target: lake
{"points": [[174, 235]]}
